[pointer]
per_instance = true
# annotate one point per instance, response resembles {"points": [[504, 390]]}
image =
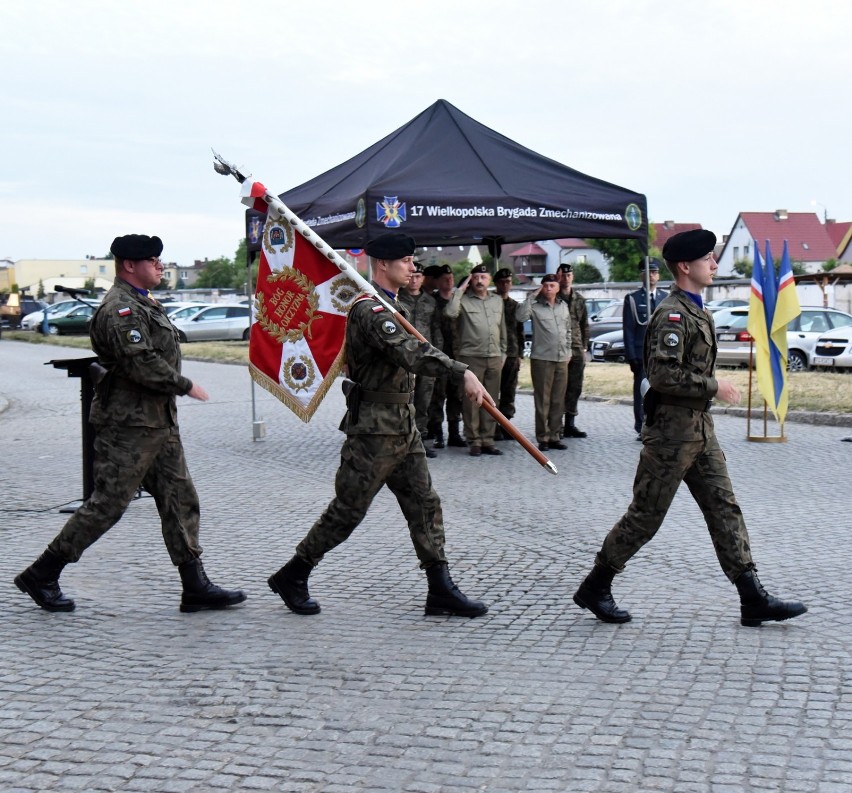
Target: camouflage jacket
{"points": [[514, 329], [138, 345], [424, 314], [579, 319], [448, 326], [381, 357], [680, 359]]}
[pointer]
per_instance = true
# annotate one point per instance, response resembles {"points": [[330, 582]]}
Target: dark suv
{"points": [[11, 316]]}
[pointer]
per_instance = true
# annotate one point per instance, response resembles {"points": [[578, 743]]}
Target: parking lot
{"points": [[128, 694]]}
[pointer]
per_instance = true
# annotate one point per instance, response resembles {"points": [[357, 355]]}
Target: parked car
{"points": [[16, 308], [833, 350], [734, 341], [33, 320], [594, 305], [76, 320], [216, 323], [185, 311], [609, 347], [728, 302], [607, 319]]}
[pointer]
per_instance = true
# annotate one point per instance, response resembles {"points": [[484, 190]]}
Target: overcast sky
{"points": [[109, 109]]}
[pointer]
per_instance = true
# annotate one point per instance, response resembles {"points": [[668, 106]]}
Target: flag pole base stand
{"points": [[767, 438]]}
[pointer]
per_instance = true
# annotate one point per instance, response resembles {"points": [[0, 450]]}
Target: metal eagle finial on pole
{"points": [[225, 168]]}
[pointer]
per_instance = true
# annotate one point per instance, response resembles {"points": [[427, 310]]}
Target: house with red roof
{"points": [[544, 256], [807, 239], [841, 236]]}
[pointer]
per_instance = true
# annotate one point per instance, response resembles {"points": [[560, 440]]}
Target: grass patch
{"points": [[822, 392]]}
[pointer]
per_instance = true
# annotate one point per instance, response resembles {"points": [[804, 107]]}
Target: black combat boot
{"points": [[199, 593], [455, 438], [595, 594], [429, 435], [291, 583], [570, 430], [439, 437], [446, 598], [41, 582], [757, 606]]}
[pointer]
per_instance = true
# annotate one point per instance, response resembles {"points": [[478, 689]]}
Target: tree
{"points": [[626, 258], [585, 273], [89, 284], [220, 273], [830, 265], [743, 267], [40, 292]]}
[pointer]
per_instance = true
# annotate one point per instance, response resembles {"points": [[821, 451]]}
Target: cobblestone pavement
{"points": [[126, 693]]}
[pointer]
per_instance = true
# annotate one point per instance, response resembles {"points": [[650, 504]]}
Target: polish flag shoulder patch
{"points": [[377, 309], [674, 316], [124, 311]]}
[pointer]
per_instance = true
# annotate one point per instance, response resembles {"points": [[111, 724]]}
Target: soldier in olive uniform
{"points": [[579, 343], [137, 441], [680, 444], [422, 312], [514, 350], [382, 443]]}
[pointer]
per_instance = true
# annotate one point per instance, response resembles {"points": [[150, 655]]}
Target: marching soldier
{"points": [[680, 444], [137, 443], [382, 443]]}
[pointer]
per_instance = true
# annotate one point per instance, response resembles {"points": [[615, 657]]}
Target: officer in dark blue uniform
{"points": [[638, 307]]}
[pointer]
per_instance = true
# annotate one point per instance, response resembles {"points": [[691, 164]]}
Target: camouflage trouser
{"points": [[508, 387], [125, 458], [445, 390], [663, 465], [366, 463], [423, 387], [576, 368], [548, 379]]}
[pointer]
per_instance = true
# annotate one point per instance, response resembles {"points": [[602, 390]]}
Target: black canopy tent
{"points": [[446, 179]]}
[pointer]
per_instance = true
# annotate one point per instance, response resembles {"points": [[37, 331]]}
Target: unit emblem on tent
{"points": [[391, 213]]}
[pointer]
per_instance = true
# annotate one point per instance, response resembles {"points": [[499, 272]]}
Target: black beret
{"points": [[418, 267], [480, 268], [550, 278], [432, 270], [390, 246], [504, 273], [689, 245], [136, 246], [565, 268], [445, 269]]}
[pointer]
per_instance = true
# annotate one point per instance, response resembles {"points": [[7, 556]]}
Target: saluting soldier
{"points": [[137, 440], [383, 446], [679, 444], [579, 344], [514, 350]]}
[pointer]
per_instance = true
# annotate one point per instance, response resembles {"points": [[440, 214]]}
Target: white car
{"points": [[215, 323], [834, 350], [183, 310], [734, 342]]}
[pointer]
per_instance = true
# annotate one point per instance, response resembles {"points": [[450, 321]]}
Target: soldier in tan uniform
{"points": [[680, 444], [383, 446], [137, 441]]}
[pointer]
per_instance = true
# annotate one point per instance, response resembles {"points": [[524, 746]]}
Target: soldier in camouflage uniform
{"points": [[579, 343], [514, 350], [382, 443], [422, 312], [680, 444], [137, 441]]}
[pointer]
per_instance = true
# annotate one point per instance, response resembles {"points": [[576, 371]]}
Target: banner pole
{"points": [[223, 167]]}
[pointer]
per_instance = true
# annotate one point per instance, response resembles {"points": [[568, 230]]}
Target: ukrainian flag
{"points": [[786, 310], [759, 327]]}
